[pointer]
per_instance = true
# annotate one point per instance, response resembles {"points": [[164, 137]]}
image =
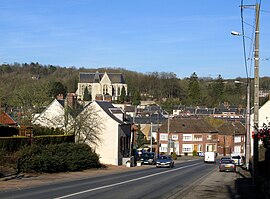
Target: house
{"points": [[52, 116], [6, 119], [114, 132], [186, 135], [231, 139], [264, 118], [106, 120], [101, 86]]}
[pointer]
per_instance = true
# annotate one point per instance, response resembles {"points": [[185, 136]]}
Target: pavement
{"points": [[218, 185], [226, 185]]}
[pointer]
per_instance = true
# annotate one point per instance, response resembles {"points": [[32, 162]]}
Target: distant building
{"points": [[186, 135], [101, 86]]}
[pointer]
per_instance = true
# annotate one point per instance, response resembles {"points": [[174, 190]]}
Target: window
{"points": [[209, 137], [163, 136], [187, 137], [174, 137], [197, 137], [105, 89], [187, 147], [163, 148], [237, 149], [237, 139]]}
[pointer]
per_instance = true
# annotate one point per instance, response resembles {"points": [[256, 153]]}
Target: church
{"points": [[101, 86]]}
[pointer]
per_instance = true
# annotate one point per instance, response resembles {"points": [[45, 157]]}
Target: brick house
{"points": [[231, 137], [185, 135]]}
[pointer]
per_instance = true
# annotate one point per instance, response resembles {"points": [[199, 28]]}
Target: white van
{"points": [[210, 157]]}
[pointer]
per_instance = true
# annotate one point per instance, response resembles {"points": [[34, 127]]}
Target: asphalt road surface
{"points": [[146, 183]]}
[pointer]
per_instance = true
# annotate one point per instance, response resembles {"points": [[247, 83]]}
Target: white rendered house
{"points": [[114, 133]]}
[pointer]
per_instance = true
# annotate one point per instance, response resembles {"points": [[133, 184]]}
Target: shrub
{"points": [[57, 158], [194, 153], [174, 156]]}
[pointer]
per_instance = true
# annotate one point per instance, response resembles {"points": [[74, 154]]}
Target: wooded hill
{"points": [[34, 85]]}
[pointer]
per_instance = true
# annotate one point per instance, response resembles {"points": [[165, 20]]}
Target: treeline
{"points": [[34, 85]]}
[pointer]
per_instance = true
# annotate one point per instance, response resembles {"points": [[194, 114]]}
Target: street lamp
{"points": [[235, 33], [248, 147], [255, 161]]}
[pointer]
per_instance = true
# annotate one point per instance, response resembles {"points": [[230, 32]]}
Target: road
{"points": [[146, 183]]}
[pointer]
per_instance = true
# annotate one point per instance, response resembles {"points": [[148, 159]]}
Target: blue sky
{"points": [[141, 35]]}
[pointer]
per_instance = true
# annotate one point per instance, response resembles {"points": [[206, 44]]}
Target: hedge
{"points": [[57, 158], [13, 144]]}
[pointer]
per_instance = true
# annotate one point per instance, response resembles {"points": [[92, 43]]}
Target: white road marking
{"points": [[125, 182]]}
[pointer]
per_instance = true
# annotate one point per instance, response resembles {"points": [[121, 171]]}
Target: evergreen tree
{"points": [[136, 98], [217, 91], [86, 95], [194, 92], [123, 95]]}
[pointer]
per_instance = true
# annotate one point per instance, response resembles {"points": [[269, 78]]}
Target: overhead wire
{"points": [[243, 38]]}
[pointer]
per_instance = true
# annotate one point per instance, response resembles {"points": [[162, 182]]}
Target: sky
{"points": [[179, 36]]}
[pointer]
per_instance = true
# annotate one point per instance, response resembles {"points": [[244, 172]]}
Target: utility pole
{"points": [[169, 141], [248, 125], [256, 99], [151, 142]]}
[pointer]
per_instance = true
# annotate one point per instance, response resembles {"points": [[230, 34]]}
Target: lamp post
{"points": [[248, 147], [256, 96]]}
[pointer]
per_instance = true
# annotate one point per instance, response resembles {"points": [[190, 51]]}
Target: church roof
{"points": [[96, 77]]}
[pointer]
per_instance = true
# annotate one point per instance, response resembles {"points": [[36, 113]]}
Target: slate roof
{"points": [[96, 77], [106, 106], [188, 125]]}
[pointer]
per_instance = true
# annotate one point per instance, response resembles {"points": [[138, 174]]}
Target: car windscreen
{"points": [[163, 157], [148, 155], [226, 161]]}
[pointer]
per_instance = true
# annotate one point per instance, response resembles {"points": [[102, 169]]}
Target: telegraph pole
{"points": [[248, 125], [256, 99]]}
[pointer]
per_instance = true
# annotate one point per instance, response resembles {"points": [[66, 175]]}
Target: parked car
{"points": [[238, 160], [225, 158], [148, 158], [227, 165], [165, 161]]}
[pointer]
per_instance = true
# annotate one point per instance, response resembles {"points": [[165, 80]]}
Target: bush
{"points": [[194, 153], [57, 158], [174, 156]]}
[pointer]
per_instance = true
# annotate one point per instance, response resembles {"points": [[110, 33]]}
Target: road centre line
{"points": [[125, 182]]}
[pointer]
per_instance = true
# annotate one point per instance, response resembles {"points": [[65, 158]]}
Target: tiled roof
{"points": [[5, 119], [188, 125], [232, 128]]}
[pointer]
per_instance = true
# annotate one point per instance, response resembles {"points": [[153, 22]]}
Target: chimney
{"points": [[71, 100]]}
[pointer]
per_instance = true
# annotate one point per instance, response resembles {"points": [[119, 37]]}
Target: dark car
{"points": [[165, 161], [148, 158], [227, 165]]}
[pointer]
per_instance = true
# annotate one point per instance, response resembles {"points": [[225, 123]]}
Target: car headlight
{"points": [[168, 162], [158, 162]]}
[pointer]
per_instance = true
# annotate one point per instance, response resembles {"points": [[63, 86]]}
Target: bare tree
{"points": [[86, 125]]}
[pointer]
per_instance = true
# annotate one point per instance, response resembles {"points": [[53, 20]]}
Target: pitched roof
{"points": [[232, 128], [188, 125], [5, 119], [96, 77], [107, 107]]}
